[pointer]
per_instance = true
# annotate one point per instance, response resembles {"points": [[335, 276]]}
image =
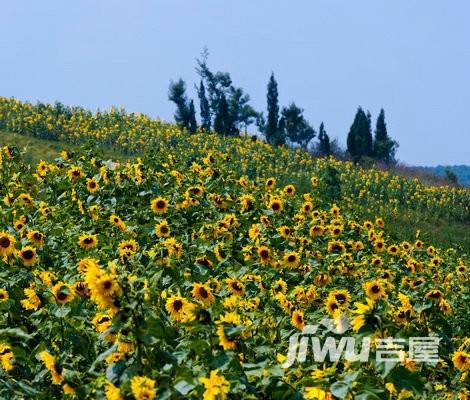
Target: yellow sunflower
{"points": [[159, 205], [87, 241], [92, 185], [162, 229], [7, 244], [298, 319], [203, 293], [28, 255], [374, 289]]}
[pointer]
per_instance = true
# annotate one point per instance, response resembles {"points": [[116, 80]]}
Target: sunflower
{"points": [[62, 293], [291, 259], [226, 342], [314, 181], [289, 190], [379, 222], [203, 261], [81, 289], [4, 295], [275, 204], [377, 261], [216, 386], [87, 241], [461, 360], [92, 185], [37, 238], [341, 296], [285, 232], [316, 230], [435, 295], [159, 205], [254, 231], [298, 319], [179, 309], [331, 305], [392, 250], [162, 229], [374, 289], [203, 293], [235, 286], [264, 254], [368, 225], [379, 245], [280, 286], [7, 244], [143, 388], [28, 255], [336, 246], [129, 245], [75, 173], [270, 183], [117, 222]]}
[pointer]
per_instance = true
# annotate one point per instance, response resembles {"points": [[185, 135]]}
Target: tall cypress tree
{"points": [[324, 147], [223, 121], [204, 107], [384, 146], [192, 123], [177, 94], [359, 140], [272, 124]]}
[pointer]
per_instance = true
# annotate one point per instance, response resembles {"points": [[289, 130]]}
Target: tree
{"points": [[177, 94], [324, 147], [236, 112], [223, 122], [359, 140], [204, 107], [272, 124], [294, 126], [384, 146], [192, 123]]}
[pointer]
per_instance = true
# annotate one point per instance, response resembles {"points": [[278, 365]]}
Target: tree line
{"points": [[224, 108]]}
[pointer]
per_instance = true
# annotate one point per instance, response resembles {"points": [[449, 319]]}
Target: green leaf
{"points": [[340, 389]]}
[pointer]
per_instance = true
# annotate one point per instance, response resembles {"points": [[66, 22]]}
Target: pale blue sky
{"points": [[411, 57]]}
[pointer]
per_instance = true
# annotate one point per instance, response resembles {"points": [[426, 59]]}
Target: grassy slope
{"points": [[403, 227], [41, 149]]}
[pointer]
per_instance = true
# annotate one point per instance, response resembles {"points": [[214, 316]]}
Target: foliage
{"points": [[147, 277]]}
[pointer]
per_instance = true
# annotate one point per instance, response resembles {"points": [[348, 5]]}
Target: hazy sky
{"points": [[411, 57]]}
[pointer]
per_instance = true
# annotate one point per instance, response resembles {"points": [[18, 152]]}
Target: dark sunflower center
{"points": [[264, 253], [164, 229], [375, 289], [107, 285], [340, 298], [62, 296], [160, 204], [236, 286], [4, 242], [88, 240], [291, 258], [177, 305], [28, 254], [203, 293]]}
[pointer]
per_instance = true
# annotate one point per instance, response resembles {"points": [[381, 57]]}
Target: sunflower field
{"points": [[183, 272]]}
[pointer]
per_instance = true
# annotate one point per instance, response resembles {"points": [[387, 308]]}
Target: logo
{"points": [[420, 349]]}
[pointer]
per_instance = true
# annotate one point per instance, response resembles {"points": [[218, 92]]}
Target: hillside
{"points": [[461, 171], [187, 265]]}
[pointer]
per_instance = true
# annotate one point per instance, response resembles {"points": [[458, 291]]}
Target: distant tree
{"points": [[294, 126], [451, 176], [359, 141], [384, 146], [272, 123], [223, 123], [324, 147], [204, 108], [192, 123], [237, 113], [177, 94]]}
